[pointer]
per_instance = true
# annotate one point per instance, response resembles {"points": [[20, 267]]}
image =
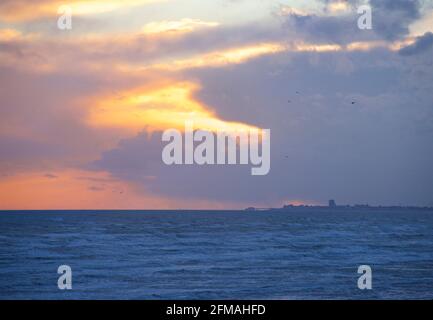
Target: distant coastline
{"points": [[332, 206]]}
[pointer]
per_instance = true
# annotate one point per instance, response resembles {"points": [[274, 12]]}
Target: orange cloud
{"points": [[9, 34], [157, 108], [338, 6], [67, 190], [80, 189]]}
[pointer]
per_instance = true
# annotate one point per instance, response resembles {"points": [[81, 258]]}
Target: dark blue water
{"points": [[216, 255]]}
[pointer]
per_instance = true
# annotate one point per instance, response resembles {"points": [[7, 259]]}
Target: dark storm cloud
{"points": [[138, 158], [391, 20], [337, 29], [322, 145]]}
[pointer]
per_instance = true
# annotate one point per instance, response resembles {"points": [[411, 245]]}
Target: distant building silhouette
{"points": [[332, 204]]}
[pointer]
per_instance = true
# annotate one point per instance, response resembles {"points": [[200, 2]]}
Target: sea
{"points": [[216, 254]]}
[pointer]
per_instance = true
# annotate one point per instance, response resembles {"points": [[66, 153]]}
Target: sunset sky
{"points": [[82, 110]]}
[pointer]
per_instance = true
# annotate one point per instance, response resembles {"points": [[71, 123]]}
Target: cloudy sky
{"points": [[82, 110]]}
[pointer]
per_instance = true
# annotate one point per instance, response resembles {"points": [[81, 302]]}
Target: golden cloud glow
{"points": [[168, 106], [287, 10], [9, 34], [175, 27], [370, 45], [213, 59], [245, 53], [397, 45], [305, 47], [231, 56], [354, 46], [339, 6]]}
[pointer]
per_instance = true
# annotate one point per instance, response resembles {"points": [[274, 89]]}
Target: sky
{"points": [[83, 110]]}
